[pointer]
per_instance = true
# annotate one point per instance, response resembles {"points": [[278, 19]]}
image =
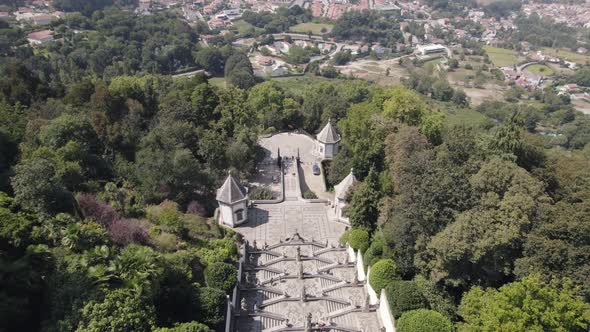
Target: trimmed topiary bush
{"points": [[423, 320], [221, 276], [358, 239], [382, 274], [404, 296]]}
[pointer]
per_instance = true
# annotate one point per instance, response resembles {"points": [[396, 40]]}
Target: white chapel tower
{"points": [[327, 141], [233, 202]]}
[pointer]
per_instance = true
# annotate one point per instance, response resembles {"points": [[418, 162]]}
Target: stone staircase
{"points": [[300, 285]]}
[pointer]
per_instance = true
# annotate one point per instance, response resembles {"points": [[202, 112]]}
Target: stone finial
{"points": [[244, 304], [367, 306], [308, 322], [303, 296]]}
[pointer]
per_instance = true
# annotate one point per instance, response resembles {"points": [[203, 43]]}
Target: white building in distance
{"points": [[341, 190], [233, 202], [327, 141], [432, 48]]}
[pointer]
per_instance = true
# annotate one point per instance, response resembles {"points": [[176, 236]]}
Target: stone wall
{"points": [[233, 303], [374, 298], [351, 253], [385, 313], [299, 190], [360, 267]]}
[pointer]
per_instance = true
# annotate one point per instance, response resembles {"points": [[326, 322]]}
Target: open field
{"points": [[315, 28], [375, 70], [490, 91], [297, 84], [581, 105], [566, 55], [501, 57], [539, 69]]}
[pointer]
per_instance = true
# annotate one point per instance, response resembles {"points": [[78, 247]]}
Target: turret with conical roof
{"points": [[342, 188], [340, 192], [233, 202], [327, 141]]}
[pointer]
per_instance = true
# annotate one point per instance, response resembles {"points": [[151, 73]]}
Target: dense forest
{"points": [[543, 32], [369, 26], [443, 215], [108, 168]]}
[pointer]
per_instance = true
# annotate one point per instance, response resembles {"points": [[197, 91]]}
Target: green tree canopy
{"points": [[404, 295], [526, 305], [221, 276], [121, 310]]}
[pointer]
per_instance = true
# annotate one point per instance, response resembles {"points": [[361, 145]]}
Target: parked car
{"points": [[316, 169]]}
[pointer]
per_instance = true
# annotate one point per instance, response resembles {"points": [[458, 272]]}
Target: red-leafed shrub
{"points": [[96, 209], [126, 231], [196, 208]]}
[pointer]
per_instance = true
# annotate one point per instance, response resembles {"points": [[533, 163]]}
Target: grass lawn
{"points": [[567, 55], [217, 81], [501, 57], [297, 84], [315, 28], [466, 117], [540, 70], [245, 27]]}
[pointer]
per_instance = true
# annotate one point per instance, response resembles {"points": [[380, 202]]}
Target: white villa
{"points": [[233, 202], [327, 142], [340, 191]]}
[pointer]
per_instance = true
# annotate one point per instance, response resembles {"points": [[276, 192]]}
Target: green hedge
{"points": [[404, 296], [261, 193], [212, 306], [221, 276], [374, 253], [382, 274], [423, 320]]}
